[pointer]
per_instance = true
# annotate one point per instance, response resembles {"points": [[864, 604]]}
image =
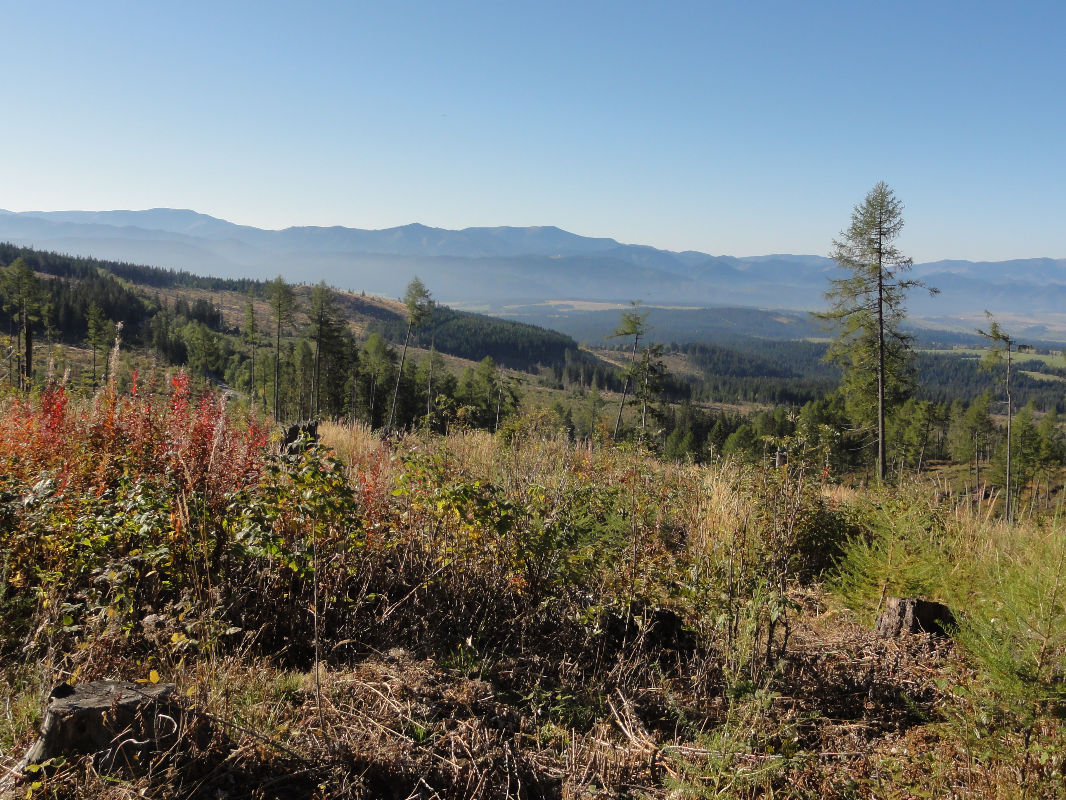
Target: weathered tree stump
{"points": [[290, 436], [121, 724], [913, 615], [651, 628]]}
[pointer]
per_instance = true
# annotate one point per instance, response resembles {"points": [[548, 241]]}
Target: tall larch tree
{"points": [[1002, 346], [101, 334], [866, 308], [375, 361], [282, 305], [251, 338], [327, 331], [24, 299], [633, 324], [321, 302], [419, 306]]}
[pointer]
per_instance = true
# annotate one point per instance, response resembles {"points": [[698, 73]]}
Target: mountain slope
{"points": [[495, 267]]}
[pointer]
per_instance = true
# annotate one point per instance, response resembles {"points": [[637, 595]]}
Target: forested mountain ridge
{"points": [[123, 290], [322, 352], [505, 265]]}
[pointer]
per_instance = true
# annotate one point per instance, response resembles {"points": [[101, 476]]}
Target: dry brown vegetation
{"points": [[512, 616]]}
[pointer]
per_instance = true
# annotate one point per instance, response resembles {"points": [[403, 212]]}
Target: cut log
{"points": [[913, 615], [121, 724]]}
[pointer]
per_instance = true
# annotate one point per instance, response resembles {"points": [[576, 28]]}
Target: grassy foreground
{"points": [[511, 616]]}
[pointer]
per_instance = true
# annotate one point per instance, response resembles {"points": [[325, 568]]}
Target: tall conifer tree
{"points": [[282, 304], [419, 306], [24, 299], [867, 310], [633, 324]]}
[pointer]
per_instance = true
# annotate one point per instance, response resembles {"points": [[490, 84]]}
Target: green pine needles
{"points": [[866, 308]]}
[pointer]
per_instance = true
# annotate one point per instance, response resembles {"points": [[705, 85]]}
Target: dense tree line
{"points": [[579, 369], [796, 372], [942, 377], [515, 345], [919, 434], [79, 267]]}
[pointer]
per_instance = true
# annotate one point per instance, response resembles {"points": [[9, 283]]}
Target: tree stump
{"points": [[121, 724], [290, 437], [913, 615], [651, 628]]}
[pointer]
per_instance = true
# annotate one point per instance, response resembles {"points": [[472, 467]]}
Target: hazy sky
{"points": [[736, 128]]}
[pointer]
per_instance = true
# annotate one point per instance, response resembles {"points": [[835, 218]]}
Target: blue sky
{"points": [[736, 128]]}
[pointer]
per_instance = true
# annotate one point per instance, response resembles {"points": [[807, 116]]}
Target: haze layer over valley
{"points": [[524, 272]]}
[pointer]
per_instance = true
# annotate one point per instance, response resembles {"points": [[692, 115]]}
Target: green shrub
{"points": [[899, 550]]}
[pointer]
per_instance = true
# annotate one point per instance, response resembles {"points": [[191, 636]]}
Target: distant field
{"points": [[1043, 376], [1045, 327], [1048, 360]]}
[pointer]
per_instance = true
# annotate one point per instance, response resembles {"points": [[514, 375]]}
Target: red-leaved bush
{"points": [[114, 506], [160, 434]]}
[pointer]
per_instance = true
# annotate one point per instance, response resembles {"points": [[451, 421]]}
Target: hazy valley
{"points": [[514, 271]]}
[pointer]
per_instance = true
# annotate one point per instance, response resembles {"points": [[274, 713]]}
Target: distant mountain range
{"points": [[493, 268]]}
